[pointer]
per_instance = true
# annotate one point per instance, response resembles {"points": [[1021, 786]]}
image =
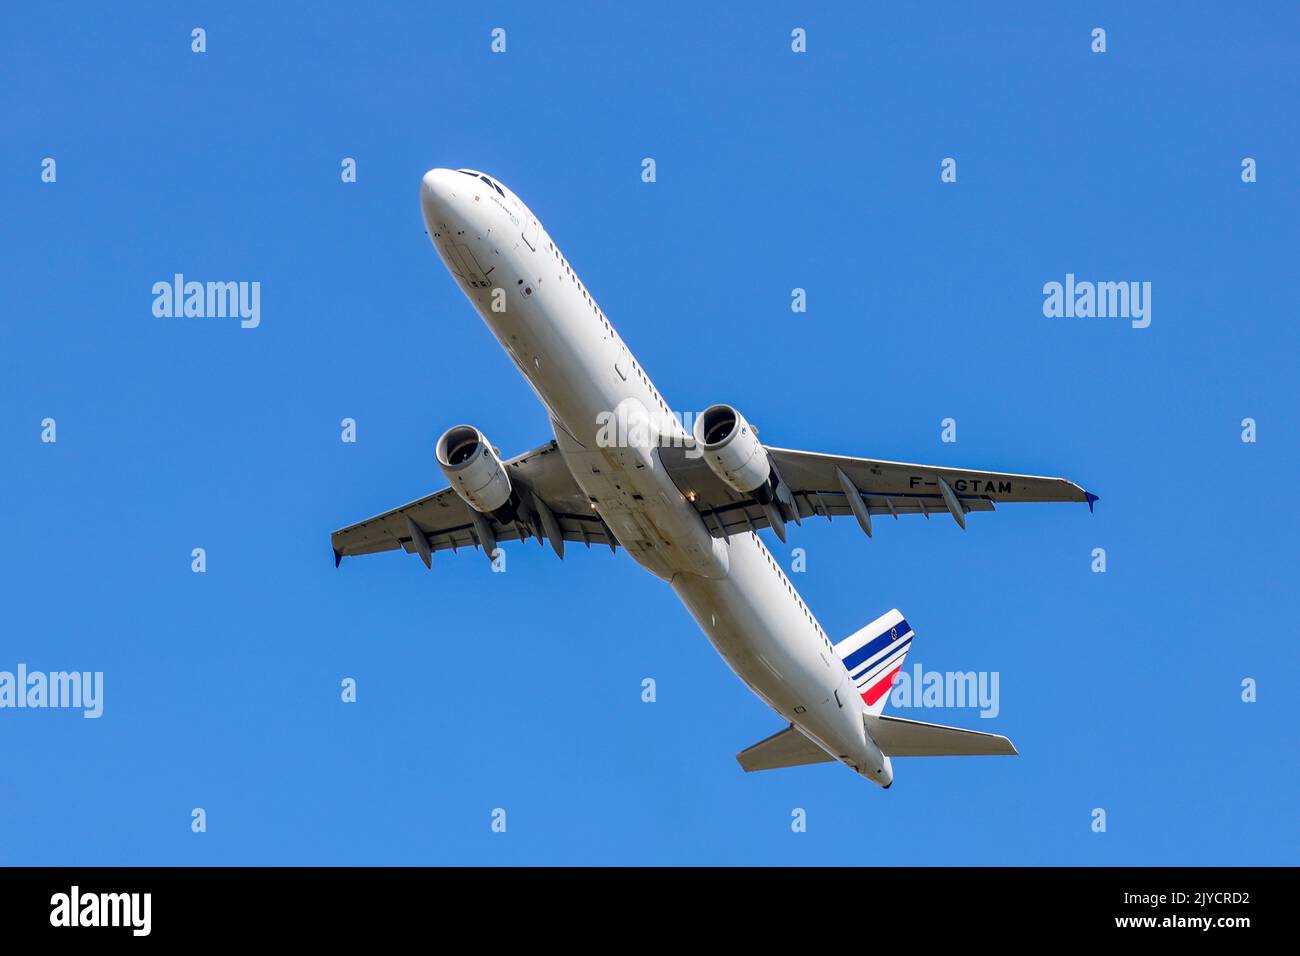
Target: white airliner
{"points": [[623, 470]]}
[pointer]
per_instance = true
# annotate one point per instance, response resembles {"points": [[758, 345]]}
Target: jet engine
{"points": [[476, 474], [733, 452]]}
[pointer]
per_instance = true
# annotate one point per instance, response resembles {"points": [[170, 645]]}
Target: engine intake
{"points": [[733, 452], [475, 472]]}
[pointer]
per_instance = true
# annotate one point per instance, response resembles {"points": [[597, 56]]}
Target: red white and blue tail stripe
{"points": [[874, 656]]}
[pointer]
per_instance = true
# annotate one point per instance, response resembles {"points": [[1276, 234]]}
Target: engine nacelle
{"points": [[733, 452], [476, 473]]}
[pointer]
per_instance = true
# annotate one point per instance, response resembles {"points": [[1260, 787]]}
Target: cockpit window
{"points": [[492, 184], [478, 175]]}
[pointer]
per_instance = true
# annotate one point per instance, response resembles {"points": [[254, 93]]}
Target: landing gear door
{"points": [[465, 265], [531, 231]]}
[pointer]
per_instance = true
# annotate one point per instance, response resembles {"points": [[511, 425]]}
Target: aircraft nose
{"points": [[438, 193]]}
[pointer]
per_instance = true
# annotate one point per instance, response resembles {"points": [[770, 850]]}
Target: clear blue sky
{"points": [[775, 170]]}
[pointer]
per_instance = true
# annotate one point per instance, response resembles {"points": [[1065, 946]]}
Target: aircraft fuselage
{"points": [[582, 372]]}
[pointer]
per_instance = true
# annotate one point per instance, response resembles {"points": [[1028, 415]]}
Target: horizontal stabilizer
{"points": [[897, 737], [789, 748]]}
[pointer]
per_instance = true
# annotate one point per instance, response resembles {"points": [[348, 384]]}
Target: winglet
{"points": [[338, 558], [1091, 500]]}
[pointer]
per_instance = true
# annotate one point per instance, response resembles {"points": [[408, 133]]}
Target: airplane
{"points": [[687, 504]]}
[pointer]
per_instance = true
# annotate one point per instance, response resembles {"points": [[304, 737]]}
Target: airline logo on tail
{"points": [[874, 656]]}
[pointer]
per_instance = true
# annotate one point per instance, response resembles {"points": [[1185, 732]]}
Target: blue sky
{"points": [[775, 171]]}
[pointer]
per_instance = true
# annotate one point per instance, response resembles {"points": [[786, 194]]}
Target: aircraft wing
{"points": [[447, 522], [813, 484]]}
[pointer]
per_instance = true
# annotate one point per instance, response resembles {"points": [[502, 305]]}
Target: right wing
{"points": [[899, 737], [821, 485], [447, 521]]}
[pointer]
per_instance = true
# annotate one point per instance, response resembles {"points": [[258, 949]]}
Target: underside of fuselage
{"points": [[551, 328]]}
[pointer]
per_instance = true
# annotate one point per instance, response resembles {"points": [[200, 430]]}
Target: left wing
{"points": [[827, 485], [788, 748], [545, 486]]}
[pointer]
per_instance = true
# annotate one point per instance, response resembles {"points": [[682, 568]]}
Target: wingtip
{"points": [[338, 557], [1092, 500]]}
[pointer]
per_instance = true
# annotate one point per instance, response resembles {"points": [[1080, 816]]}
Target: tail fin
{"points": [[874, 655]]}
